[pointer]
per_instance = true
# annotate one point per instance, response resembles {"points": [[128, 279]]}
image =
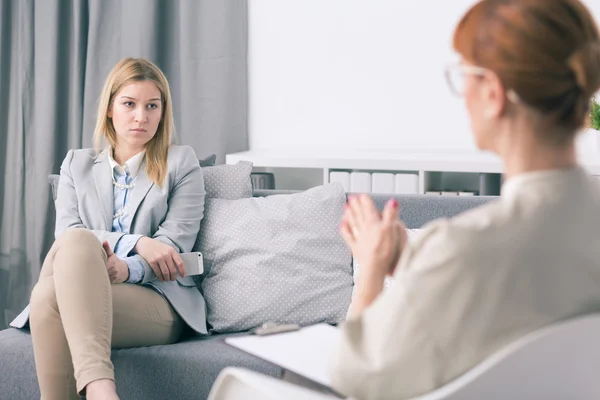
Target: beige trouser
{"points": [[77, 316]]}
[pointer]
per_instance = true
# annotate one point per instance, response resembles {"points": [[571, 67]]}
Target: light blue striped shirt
{"points": [[125, 175]]}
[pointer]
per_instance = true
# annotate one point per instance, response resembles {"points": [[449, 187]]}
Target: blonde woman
{"points": [[114, 277], [470, 285]]}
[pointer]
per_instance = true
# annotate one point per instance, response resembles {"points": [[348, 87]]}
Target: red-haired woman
{"points": [[470, 285]]}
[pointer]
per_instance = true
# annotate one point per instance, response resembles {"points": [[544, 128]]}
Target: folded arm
{"points": [[180, 226], [178, 229]]}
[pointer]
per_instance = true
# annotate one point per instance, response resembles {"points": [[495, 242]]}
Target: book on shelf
{"points": [[342, 177], [383, 183], [407, 183], [360, 182]]}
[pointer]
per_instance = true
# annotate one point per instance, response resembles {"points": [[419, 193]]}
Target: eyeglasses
{"points": [[456, 75]]}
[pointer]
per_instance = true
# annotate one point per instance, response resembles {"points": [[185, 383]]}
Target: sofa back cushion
{"points": [[275, 259], [227, 181]]}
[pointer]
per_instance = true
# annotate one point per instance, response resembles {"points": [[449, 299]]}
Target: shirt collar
{"points": [[514, 185], [132, 166]]}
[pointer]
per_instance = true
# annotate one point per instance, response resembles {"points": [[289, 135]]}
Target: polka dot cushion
{"points": [[228, 181], [275, 259]]}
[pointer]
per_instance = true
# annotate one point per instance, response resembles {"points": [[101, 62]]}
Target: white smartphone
{"points": [[193, 262]]}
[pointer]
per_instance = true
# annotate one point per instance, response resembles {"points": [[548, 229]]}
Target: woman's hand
{"points": [[118, 271], [376, 239], [163, 259]]}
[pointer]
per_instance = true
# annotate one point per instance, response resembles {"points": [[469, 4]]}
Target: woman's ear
{"points": [[495, 96]]}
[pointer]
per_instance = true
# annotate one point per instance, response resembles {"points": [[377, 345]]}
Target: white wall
{"points": [[355, 74]]}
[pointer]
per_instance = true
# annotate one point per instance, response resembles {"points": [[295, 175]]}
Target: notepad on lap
{"points": [[306, 352]]}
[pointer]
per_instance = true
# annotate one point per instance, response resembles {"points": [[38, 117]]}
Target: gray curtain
{"points": [[54, 58]]}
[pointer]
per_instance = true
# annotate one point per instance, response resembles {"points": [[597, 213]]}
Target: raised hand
{"points": [[375, 238]]}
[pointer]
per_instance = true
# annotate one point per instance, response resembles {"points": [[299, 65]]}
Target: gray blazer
{"points": [[171, 214]]}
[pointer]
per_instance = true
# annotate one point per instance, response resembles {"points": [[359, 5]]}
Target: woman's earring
{"points": [[513, 96]]}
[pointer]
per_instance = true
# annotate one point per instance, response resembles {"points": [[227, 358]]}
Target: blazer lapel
{"points": [[142, 185], [104, 188]]}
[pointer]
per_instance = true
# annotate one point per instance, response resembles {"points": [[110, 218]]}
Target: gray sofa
{"points": [[187, 370]]}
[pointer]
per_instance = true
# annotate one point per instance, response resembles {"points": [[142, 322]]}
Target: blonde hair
{"points": [[125, 72]]}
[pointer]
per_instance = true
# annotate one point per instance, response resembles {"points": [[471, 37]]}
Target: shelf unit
{"points": [[452, 170]]}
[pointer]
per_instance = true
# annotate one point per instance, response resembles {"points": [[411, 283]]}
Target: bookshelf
{"points": [[437, 171]]}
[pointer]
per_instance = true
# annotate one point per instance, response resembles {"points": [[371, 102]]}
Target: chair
{"points": [[560, 361], [239, 383]]}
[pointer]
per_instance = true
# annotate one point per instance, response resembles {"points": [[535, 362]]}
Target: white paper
{"points": [[306, 352]]}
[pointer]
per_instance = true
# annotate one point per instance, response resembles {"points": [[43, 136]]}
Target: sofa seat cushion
{"points": [[184, 370]]}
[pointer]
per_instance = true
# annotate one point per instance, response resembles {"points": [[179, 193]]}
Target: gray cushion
{"points": [[18, 379], [228, 181], [208, 161], [418, 210], [278, 258], [415, 210], [184, 370]]}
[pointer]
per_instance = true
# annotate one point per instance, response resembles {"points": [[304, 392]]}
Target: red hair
{"points": [[547, 51]]}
